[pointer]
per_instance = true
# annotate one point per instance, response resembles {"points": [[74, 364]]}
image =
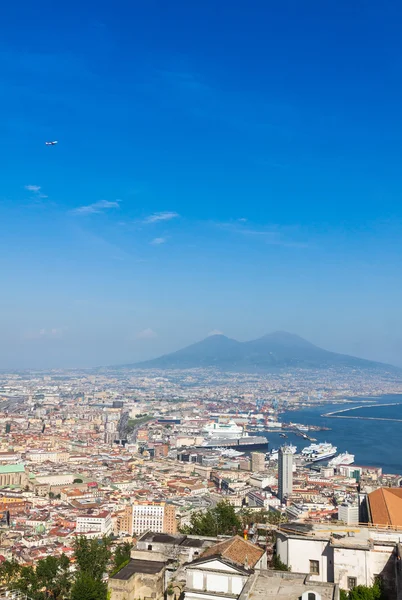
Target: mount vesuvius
{"points": [[278, 350]]}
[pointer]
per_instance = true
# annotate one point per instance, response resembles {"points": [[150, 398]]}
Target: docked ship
{"points": [[273, 455], [244, 443], [230, 452], [316, 452], [342, 459], [223, 430]]}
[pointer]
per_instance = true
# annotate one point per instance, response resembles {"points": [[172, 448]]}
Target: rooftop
{"points": [[386, 506], [162, 538], [237, 550], [285, 586], [149, 567], [18, 468]]}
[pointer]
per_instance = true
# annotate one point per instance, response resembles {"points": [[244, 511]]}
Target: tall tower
{"points": [[257, 461], [285, 472]]}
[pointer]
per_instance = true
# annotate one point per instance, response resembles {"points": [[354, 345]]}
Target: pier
{"points": [[336, 414]]}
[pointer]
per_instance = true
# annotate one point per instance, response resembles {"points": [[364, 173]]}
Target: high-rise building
{"points": [[257, 461], [348, 513], [285, 472]]}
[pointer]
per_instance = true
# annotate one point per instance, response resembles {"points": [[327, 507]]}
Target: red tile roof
{"points": [[237, 550], [386, 506]]}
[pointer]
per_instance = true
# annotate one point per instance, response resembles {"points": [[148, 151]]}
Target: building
{"points": [[287, 586], [40, 456], [159, 517], [257, 461], [13, 475], [347, 556], [124, 521], [98, 524], [223, 570], [285, 473], [348, 513], [384, 507], [176, 548], [140, 578]]}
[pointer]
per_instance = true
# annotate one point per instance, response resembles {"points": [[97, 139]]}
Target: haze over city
{"points": [[219, 168]]}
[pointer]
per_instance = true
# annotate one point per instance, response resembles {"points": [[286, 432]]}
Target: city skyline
{"points": [[221, 168]]}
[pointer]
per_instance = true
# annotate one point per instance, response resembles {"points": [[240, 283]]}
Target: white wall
{"points": [[297, 553], [359, 563]]}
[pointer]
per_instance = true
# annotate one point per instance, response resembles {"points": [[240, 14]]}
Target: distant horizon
{"points": [[218, 167]]}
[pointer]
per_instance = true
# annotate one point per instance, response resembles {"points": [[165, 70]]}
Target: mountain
{"points": [[273, 351]]}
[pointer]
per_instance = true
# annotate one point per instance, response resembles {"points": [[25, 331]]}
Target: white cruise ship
{"points": [[316, 452], [342, 459], [223, 430], [273, 455]]}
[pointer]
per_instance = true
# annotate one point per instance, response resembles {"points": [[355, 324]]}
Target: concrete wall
{"points": [[138, 586], [360, 563]]}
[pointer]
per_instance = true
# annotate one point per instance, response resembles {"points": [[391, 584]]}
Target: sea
{"points": [[374, 443]]}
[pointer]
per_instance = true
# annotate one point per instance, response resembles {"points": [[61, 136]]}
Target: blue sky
{"points": [[223, 166]]}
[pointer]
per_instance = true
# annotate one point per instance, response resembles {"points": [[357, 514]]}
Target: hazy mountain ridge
{"points": [[273, 351]]}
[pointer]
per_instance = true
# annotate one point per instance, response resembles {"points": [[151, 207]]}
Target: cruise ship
{"points": [[223, 430], [244, 443], [316, 452], [273, 455], [342, 459]]}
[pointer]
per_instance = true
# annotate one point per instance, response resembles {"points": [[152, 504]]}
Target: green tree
{"points": [[77, 480], [364, 592], [121, 556], [92, 556], [51, 579], [88, 588], [278, 565], [9, 571], [221, 520]]}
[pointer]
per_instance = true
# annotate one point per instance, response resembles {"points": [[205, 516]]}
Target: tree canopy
{"points": [[363, 592], [221, 520], [53, 579]]}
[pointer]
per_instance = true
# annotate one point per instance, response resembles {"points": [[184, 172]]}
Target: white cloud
{"points": [[48, 334], [161, 216], [147, 334], [215, 332], [36, 191], [158, 241], [96, 207]]}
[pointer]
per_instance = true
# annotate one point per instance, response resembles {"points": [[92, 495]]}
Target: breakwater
{"points": [[337, 414]]}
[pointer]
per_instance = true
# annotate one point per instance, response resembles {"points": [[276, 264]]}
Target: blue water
{"points": [[374, 443]]}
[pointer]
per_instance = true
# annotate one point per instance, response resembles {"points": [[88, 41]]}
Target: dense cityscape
{"points": [[200, 307], [143, 459]]}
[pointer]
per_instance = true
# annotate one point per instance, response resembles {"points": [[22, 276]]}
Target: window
{"points": [[352, 583], [311, 596], [314, 567], [149, 547]]}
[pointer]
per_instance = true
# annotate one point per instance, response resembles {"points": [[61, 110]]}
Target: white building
{"points": [[339, 554], [99, 524], [349, 514], [223, 570], [40, 456], [158, 517], [285, 472]]}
